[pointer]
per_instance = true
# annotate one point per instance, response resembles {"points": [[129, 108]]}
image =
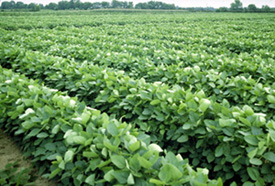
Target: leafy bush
{"points": [[83, 145]]}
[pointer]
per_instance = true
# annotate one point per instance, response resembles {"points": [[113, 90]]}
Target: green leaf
{"points": [[253, 173], [182, 139], [62, 165], [68, 156], [55, 130], [271, 99], [119, 161], [88, 154], [130, 180], [160, 117], [226, 122], [54, 173], [145, 163], [248, 110], [109, 176], [27, 124], [252, 140], [34, 132], [204, 104], [85, 117], [134, 163], [50, 146], [236, 166], [256, 161], [112, 129], [252, 153], [155, 102], [219, 151], [79, 140], [155, 147], [90, 179], [270, 156], [248, 183], [272, 134], [145, 95], [157, 182], [110, 146], [121, 176], [186, 126], [42, 135], [133, 147], [169, 173]]}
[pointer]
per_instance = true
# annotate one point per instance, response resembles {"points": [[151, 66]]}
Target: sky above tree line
{"points": [[180, 3]]}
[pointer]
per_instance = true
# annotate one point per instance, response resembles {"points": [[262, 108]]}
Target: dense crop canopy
{"points": [[173, 88]]}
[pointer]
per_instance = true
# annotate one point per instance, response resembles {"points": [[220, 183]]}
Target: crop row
{"points": [[153, 38], [238, 90], [141, 59], [28, 21], [179, 120], [83, 146]]}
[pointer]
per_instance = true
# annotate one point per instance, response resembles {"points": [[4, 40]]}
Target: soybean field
{"points": [[141, 97]]}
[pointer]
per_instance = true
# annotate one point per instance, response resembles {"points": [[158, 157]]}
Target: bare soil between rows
{"points": [[10, 153]]}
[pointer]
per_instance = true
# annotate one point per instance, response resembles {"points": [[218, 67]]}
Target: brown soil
{"points": [[10, 153]]}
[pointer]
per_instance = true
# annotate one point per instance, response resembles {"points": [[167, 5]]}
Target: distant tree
{"points": [[71, 4], [265, 8], [237, 6], [96, 5], [130, 5], [155, 5], [77, 4], [252, 8], [222, 9], [31, 5], [8, 5], [86, 6], [105, 4], [20, 5], [52, 6], [142, 6], [63, 5], [116, 4], [34, 7]]}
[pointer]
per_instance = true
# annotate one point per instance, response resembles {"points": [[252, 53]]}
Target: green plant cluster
{"points": [[83, 146], [239, 89], [194, 90], [12, 175], [50, 20], [180, 120]]}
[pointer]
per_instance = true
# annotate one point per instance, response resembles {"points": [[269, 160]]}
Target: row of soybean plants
{"points": [[30, 21], [238, 90], [113, 18], [233, 142], [180, 38], [249, 87], [137, 60], [15, 21], [80, 146]]}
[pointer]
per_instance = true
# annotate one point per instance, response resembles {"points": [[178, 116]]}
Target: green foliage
{"points": [[237, 6], [81, 145], [12, 175], [206, 96]]}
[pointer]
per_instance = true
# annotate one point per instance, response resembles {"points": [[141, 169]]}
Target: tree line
{"points": [[236, 6], [77, 4]]}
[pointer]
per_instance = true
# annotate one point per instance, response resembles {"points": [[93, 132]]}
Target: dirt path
{"points": [[10, 153]]}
